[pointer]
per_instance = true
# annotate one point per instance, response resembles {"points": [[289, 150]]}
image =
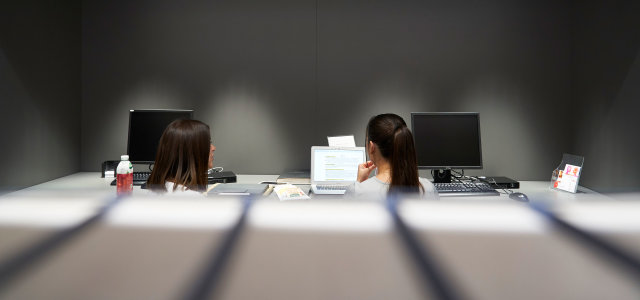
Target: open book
{"points": [[289, 192]]}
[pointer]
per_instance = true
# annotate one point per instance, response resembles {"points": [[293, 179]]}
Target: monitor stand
{"points": [[442, 176]]}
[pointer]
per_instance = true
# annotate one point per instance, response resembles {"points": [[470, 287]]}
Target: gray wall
{"points": [[606, 93], [39, 91], [507, 60], [246, 68], [273, 78]]}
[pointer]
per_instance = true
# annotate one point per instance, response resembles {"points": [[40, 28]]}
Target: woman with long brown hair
{"points": [[392, 152], [185, 153]]}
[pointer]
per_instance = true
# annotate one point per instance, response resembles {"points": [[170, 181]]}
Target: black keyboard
{"points": [[139, 178], [465, 189]]}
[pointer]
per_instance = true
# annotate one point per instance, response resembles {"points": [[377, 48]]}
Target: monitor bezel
{"points": [[477, 114], [131, 111]]}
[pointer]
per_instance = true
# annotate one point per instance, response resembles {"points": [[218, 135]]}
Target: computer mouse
{"points": [[519, 196]]}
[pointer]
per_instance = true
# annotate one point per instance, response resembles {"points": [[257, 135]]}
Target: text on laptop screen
{"points": [[336, 164]]}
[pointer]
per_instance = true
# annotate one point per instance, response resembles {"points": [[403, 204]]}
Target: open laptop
{"points": [[333, 169]]}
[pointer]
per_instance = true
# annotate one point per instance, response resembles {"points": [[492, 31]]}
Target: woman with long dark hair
{"points": [[185, 153], [392, 152]]}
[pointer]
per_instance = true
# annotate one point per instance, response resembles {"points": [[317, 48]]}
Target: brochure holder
{"points": [[567, 175]]}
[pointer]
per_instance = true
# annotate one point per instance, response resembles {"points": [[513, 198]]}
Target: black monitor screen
{"points": [[146, 128], [447, 140]]}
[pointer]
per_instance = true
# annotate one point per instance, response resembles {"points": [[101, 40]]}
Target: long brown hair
{"points": [[395, 142], [182, 157]]}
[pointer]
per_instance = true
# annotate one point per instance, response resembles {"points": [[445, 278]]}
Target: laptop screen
{"points": [[336, 164]]}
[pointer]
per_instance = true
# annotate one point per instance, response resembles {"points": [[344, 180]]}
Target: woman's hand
{"points": [[364, 170]]}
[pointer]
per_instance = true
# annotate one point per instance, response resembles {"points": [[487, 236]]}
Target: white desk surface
{"points": [[91, 183], [150, 248]]}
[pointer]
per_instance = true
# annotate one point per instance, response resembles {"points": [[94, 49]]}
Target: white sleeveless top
{"points": [[181, 190]]}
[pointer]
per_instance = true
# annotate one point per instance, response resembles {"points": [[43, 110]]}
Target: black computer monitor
{"points": [[446, 141], [146, 128]]}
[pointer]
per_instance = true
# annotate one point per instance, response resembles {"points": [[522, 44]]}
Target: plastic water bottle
{"points": [[124, 177]]}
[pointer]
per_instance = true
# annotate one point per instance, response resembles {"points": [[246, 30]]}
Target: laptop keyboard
{"points": [[331, 187]]}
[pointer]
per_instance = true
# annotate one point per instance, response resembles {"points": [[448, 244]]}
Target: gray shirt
{"points": [[375, 189]]}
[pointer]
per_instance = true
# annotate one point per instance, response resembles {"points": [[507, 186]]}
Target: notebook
{"points": [[333, 169]]}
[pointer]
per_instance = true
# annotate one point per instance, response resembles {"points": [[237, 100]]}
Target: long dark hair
{"points": [[182, 157], [395, 142]]}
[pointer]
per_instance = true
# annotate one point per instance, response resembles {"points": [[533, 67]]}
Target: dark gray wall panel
{"points": [[245, 67], [606, 92], [249, 69], [273, 78], [507, 60], [39, 91]]}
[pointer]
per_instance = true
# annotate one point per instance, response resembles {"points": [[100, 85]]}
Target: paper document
{"points": [[289, 192], [342, 141]]}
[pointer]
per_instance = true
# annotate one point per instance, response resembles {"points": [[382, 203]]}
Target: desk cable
{"points": [[492, 182]]}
